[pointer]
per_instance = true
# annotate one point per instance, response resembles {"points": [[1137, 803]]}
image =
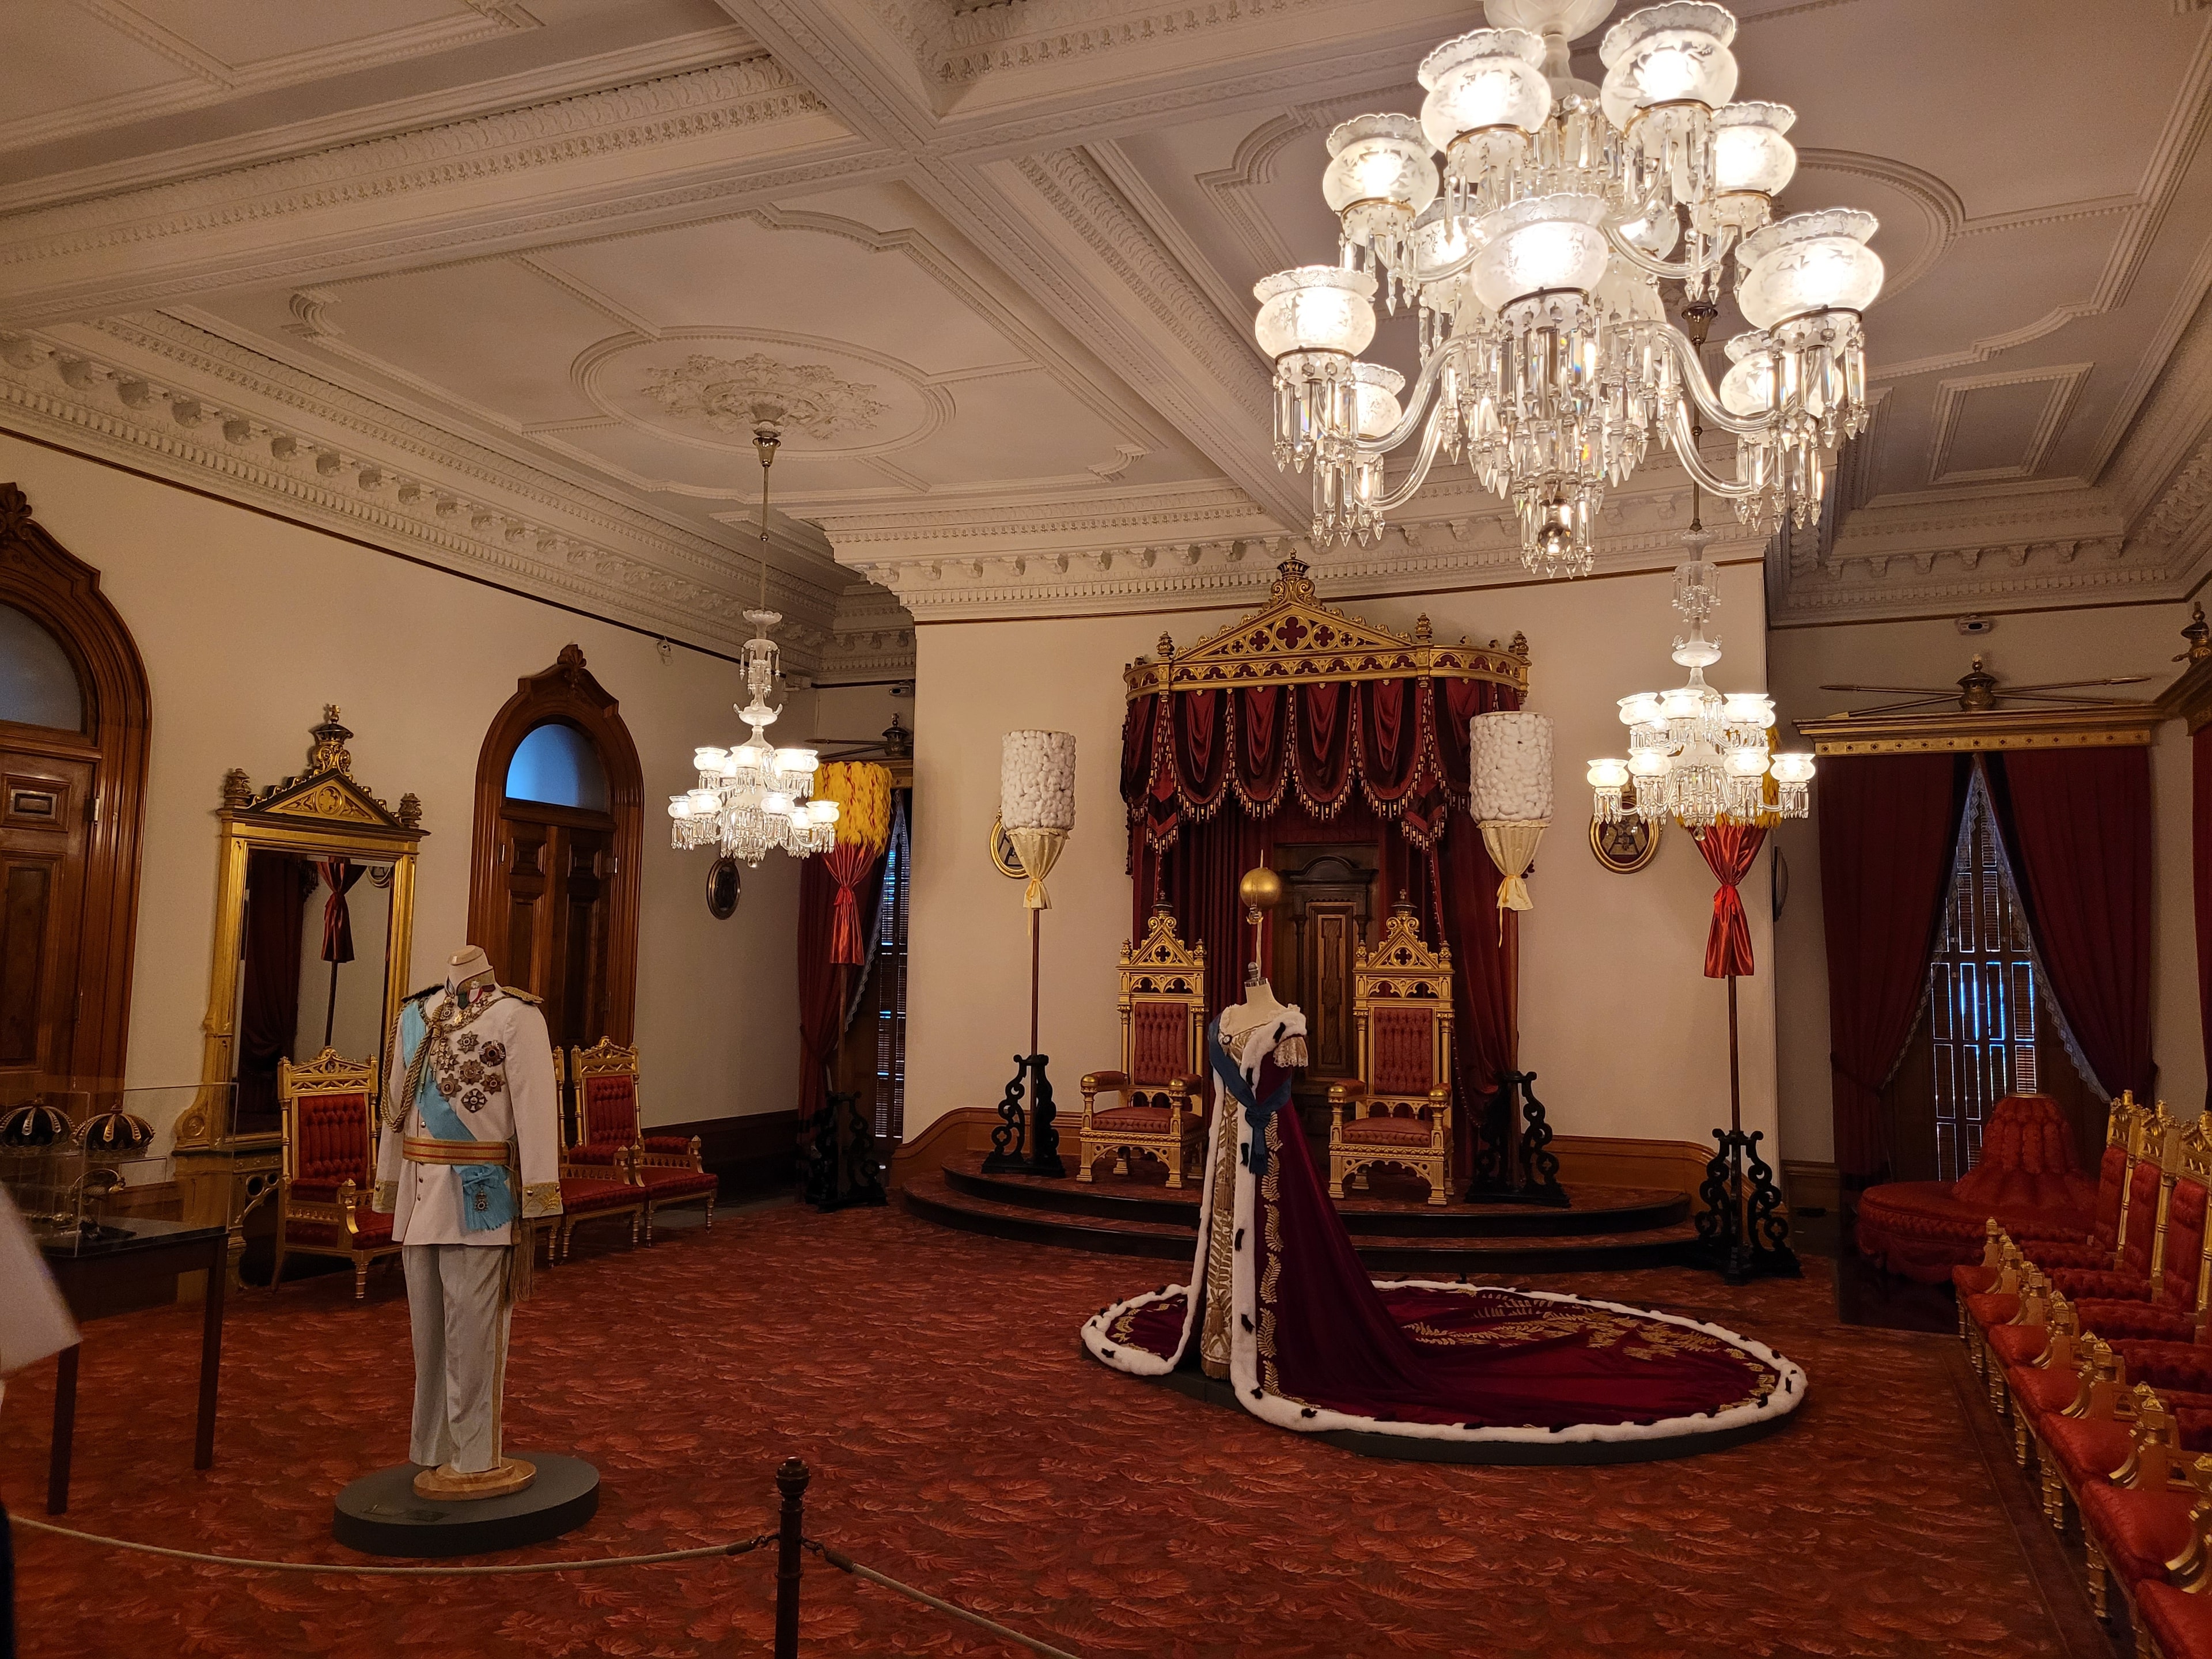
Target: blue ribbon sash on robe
{"points": [[487, 1191], [1257, 1112]]}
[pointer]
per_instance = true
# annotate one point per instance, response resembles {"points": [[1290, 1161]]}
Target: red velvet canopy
{"points": [[1301, 724]]}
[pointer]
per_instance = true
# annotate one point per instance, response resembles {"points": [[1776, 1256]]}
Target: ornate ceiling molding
{"points": [[207, 80], [1210, 547], [158, 396]]}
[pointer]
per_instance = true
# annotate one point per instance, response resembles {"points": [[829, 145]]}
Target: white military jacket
{"points": [[499, 1081]]}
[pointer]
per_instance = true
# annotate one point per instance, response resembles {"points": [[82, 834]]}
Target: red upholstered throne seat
{"points": [[2027, 1179], [1161, 1083], [2179, 1621], [329, 1171], [660, 1170]]}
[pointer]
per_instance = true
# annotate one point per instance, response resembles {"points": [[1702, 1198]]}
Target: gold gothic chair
{"points": [[1162, 1082], [595, 1176], [1398, 1110], [667, 1167], [329, 1170]]}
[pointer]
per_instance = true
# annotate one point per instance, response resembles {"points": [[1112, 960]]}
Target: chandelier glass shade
{"points": [[754, 800], [1698, 755], [1529, 219]]}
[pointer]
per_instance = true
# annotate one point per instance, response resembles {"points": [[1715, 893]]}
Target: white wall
{"points": [[2029, 648], [248, 625], [1627, 1036]]}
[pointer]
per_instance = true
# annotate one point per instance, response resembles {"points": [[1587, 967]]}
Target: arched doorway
{"points": [[73, 735], [553, 865]]}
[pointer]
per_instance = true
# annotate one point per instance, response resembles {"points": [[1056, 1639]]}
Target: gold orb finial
{"points": [[1260, 890]]}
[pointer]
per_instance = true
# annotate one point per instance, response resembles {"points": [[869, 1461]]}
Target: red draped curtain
{"points": [[2076, 825], [1216, 779], [821, 993], [1728, 849], [2200, 840], [1888, 824]]}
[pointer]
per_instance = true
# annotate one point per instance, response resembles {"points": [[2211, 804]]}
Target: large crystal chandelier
{"points": [[752, 800], [1533, 259], [1695, 754]]}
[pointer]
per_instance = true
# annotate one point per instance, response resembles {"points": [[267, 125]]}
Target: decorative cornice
{"points": [[182, 404], [1209, 548], [2111, 726]]}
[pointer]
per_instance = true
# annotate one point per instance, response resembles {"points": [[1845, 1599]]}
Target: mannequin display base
{"points": [[381, 1513], [449, 1484]]}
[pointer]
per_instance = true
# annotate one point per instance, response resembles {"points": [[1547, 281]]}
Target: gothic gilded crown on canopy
{"points": [[1295, 639]]}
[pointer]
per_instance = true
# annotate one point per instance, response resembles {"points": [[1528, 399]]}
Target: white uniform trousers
{"points": [[456, 1304]]}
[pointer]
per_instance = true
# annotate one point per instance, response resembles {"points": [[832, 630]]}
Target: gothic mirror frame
{"points": [[326, 813]]}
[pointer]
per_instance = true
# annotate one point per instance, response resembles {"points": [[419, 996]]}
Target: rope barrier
{"points": [[661, 1559], [791, 1481], [845, 1563]]}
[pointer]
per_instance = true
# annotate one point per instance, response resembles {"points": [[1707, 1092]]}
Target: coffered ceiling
{"points": [[495, 282]]}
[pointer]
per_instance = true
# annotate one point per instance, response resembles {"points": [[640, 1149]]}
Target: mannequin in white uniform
{"points": [[470, 1143]]}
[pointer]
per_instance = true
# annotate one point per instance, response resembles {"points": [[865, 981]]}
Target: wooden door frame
{"points": [[565, 693], [40, 576]]}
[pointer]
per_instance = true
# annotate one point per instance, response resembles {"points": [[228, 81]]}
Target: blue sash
{"points": [[1257, 1112], [487, 1193]]}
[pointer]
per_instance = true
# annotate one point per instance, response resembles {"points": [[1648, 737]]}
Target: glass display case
{"points": [[73, 1160]]}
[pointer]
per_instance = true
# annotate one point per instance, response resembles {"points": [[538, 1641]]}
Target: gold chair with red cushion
{"points": [[1398, 1109], [596, 1182], [2133, 1137], [2177, 1614], [666, 1168], [329, 1108], [1162, 1082]]}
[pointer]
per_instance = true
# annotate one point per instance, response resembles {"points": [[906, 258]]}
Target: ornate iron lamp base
{"points": [[1743, 1234], [1030, 1122], [1512, 1168]]}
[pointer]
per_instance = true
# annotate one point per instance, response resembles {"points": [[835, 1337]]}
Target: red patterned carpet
{"points": [[962, 1442]]}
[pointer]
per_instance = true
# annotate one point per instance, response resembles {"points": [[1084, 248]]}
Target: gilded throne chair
{"points": [[328, 1167], [666, 1168], [1398, 1109], [1162, 1081]]}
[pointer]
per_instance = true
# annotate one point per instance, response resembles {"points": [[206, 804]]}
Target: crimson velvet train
{"points": [[1317, 1345]]}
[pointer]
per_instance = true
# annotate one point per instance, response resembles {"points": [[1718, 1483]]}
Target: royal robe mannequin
{"points": [[468, 1149]]}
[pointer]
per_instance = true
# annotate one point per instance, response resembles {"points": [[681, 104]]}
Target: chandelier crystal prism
{"points": [[754, 800], [1695, 754], [1529, 219]]}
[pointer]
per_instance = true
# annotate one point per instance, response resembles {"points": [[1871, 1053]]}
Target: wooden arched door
{"points": [[553, 865], [73, 738]]}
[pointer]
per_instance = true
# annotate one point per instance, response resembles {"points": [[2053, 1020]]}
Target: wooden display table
{"points": [[109, 1274]]}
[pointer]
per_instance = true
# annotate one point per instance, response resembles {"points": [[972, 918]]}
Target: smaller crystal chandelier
{"points": [[1697, 755], [752, 800]]}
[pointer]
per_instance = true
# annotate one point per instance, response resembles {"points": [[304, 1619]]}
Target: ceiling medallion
{"points": [[723, 391], [1528, 218]]}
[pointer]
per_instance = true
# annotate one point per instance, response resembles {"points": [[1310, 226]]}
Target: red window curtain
{"points": [[821, 1003], [1728, 849], [1888, 824], [2200, 833], [2077, 823]]}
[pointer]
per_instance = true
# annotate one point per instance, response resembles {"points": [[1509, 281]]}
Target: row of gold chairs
{"points": [[1396, 1111], [2096, 1348], [611, 1169]]}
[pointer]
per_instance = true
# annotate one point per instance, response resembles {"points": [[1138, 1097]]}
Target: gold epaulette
{"points": [[426, 990], [516, 991]]}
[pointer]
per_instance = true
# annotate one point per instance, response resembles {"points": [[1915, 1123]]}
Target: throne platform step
{"points": [[1607, 1228]]}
